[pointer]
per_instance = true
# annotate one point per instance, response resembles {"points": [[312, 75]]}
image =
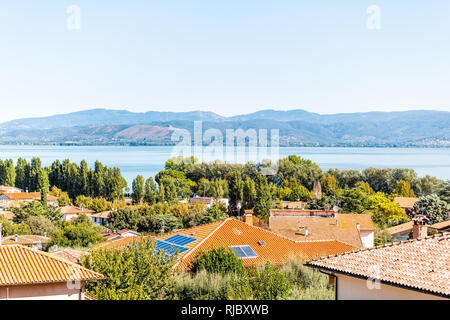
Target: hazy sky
{"points": [[230, 57]]}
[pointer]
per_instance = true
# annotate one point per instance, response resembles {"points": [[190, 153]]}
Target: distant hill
{"points": [[297, 127]]}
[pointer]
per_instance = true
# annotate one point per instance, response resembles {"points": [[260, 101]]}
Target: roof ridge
{"points": [[201, 242]]}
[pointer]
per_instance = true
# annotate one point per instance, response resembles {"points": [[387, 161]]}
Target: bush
{"points": [[80, 233], [132, 273], [40, 225], [217, 260]]}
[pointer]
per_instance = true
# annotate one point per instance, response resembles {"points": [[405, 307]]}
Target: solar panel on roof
{"points": [[169, 248], [180, 240], [244, 252]]}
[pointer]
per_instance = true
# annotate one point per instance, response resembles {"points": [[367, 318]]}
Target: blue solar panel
{"points": [[180, 240], [243, 252], [169, 248]]}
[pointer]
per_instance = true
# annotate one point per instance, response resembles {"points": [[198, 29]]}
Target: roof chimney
{"points": [[358, 226], [420, 227], [248, 219], [16, 238], [306, 232]]}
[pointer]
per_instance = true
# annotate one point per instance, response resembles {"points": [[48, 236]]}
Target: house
{"points": [[30, 241], [101, 218], [71, 212], [15, 199], [406, 202], [113, 234], [356, 230], [35, 275], [209, 201], [72, 255], [402, 231], [407, 270], [8, 215], [254, 245], [8, 189]]}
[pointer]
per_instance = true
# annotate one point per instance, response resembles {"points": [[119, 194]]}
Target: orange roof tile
{"points": [[25, 240], [71, 255], [349, 221], [405, 202], [421, 264], [232, 232], [75, 210], [23, 196], [7, 215], [441, 225], [24, 266]]}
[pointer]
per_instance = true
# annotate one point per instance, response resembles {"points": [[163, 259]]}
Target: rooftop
{"points": [[421, 264], [75, 210], [405, 202], [20, 265], [25, 240], [231, 232]]}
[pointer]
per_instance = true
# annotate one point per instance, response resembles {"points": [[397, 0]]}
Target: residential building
{"points": [[72, 255], [256, 246], [8, 189], [101, 218], [403, 231], [113, 234], [209, 201], [71, 212], [407, 270], [35, 275], [16, 199], [30, 241], [406, 202], [7, 214], [356, 230]]}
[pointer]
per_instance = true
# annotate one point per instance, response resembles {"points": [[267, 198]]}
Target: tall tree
{"points": [[263, 198], [138, 189], [249, 193], [235, 190]]}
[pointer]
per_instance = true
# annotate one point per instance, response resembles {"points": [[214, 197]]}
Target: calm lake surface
{"points": [[148, 161]]}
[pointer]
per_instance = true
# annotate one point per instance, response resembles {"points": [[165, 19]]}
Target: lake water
{"points": [[148, 161]]}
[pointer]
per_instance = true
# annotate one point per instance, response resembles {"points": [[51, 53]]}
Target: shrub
{"points": [[218, 260]]}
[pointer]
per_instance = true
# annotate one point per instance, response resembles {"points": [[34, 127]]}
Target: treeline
{"points": [[76, 180]]}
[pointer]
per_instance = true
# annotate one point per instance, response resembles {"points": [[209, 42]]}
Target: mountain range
{"points": [[297, 127]]}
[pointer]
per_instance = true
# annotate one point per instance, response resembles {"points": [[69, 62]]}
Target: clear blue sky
{"points": [[229, 57]]}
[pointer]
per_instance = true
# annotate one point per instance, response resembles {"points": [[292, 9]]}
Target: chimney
{"points": [[420, 227], [248, 219], [306, 232], [16, 238], [358, 226]]}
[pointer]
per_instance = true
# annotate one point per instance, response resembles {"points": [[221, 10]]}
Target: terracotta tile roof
{"points": [[401, 228], [71, 255], [7, 215], [306, 213], [24, 266], [25, 240], [341, 227], [8, 189], [23, 196], [230, 232], [441, 225], [104, 215], [405, 202], [407, 227], [421, 264], [277, 249], [75, 210]]}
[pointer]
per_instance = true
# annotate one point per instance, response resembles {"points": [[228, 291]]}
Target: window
{"points": [[243, 252]]}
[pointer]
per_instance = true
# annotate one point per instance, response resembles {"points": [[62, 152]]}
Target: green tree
{"points": [[138, 189], [36, 208], [133, 273], [403, 189], [150, 191], [433, 207], [219, 260], [444, 193], [352, 201], [235, 190], [10, 229], [249, 193], [263, 198], [79, 233], [40, 225]]}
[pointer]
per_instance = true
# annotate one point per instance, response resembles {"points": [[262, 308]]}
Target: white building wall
{"points": [[350, 288], [56, 291], [367, 238]]}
